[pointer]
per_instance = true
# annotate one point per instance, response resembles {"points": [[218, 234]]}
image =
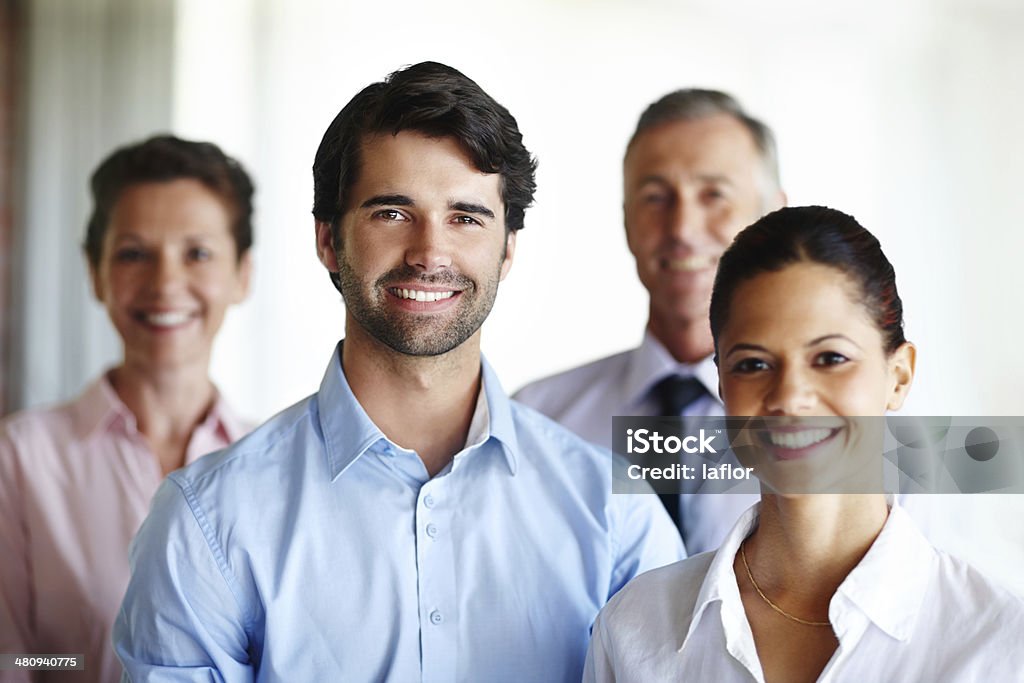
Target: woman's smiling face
{"points": [[169, 270], [798, 344]]}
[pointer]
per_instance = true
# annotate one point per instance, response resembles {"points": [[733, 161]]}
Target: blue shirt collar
{"points": [[348, 431]]}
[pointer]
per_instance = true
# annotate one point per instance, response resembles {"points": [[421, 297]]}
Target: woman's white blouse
{"points": [[907, 612]]}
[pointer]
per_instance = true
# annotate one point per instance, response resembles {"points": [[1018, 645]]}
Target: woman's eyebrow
{"points": [[828, 337], [744, 347]]}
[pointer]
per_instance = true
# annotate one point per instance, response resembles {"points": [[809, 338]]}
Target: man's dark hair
{"points": [[696, 103], [437, 101], [161, 159], [812, 234]]}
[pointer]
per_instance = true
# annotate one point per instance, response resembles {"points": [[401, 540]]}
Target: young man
{"points": [[697, 170], [408, 521]]}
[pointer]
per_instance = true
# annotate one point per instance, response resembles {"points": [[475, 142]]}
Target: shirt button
{"points": [[428, 501], [436, 618], [431, 531]]}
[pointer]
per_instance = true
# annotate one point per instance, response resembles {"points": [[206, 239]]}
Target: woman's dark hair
{"points": [[812, 234], [164, 158]]}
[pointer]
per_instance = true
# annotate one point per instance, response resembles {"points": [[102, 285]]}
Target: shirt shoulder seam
{"points": [[220, 558]]}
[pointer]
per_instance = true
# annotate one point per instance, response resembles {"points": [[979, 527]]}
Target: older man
{"points": [[697, 170], [407, 522]]}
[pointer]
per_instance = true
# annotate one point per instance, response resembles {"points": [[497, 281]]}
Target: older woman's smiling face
{"points": [[169, 271], [799, 344]]}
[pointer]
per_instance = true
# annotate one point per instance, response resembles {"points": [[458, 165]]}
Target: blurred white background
{"points": [[908, 115]]}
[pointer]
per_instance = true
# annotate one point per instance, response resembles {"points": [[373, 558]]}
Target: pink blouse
{"points": [[75, 484]]}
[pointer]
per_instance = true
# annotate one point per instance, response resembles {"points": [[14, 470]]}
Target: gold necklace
{"points": [[743, 556]]}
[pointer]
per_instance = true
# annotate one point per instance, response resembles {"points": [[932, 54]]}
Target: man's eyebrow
{"points": [[388, 199], [653, 178], [470, 207], [716, 178], [719, 178]]}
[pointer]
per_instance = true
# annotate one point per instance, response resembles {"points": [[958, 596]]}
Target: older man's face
{"points": [[690, 187]]}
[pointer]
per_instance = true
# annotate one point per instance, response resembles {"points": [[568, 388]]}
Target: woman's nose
{"points": [[792, 393], [167, 273]]}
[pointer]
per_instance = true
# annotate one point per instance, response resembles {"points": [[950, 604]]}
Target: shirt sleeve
{"points": [[15, 576], [598, 668], [182, 618], [644, 537]]}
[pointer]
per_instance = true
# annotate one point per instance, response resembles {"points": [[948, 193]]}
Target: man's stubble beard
{"points": [[411, 334]]}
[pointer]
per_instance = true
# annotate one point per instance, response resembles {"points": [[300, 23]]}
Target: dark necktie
{"points": [[674, 394]]}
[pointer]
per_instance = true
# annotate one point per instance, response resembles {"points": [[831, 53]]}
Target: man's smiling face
{"points": [[689, 186], [422, 246]]}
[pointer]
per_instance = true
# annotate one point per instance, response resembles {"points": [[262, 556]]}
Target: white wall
{"points": [[96, 75], [908, 115]]}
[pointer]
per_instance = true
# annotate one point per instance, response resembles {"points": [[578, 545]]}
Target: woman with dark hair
{"points": [[808, 331], [168, 252]]}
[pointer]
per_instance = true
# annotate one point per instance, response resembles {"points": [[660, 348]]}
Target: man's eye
{"points": [[467, 220], [713, 194], [748, 366], [389, 214], [199, 254], [829, 358], [654, 199]]}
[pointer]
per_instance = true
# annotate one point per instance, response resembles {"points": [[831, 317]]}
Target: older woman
{"points": [[168, 252], [809, 586]]}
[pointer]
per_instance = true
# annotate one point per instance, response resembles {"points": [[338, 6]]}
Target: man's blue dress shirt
{"points": [[317, 550]]}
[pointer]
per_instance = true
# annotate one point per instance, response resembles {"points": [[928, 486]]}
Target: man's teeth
{"points": [[801, 439], [690, 263], [420, 295], [169, 319]]}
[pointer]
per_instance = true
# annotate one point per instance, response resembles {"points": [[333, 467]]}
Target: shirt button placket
{"points": [[436, 577]]}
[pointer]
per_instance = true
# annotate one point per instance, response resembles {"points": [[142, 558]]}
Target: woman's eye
{"points": [[749, 365], [829, 358], [129, 255]]}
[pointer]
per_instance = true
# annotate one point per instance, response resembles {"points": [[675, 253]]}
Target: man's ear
{"points": [[510, 250], [629, 233], [325, 246], [901, 374]]}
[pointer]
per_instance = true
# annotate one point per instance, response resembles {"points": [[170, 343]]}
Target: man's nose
{"points": [[428, 248], [685, 219]]}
